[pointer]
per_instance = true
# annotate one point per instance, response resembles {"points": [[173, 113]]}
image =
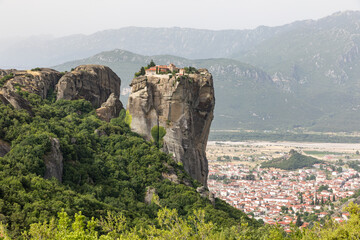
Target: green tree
{"points": [[299, 223], [151, 64], [158, 133]]}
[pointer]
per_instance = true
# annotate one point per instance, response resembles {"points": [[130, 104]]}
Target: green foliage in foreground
{"points": [[104, 170], [169, 225], [295, 161]]}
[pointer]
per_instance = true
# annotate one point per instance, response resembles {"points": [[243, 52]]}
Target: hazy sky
{"points": [[64, 17]]}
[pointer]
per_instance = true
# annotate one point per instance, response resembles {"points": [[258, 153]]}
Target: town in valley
{"points": [[278, 196]]}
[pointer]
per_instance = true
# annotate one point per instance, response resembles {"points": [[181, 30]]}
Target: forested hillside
{"points": [[106, 168]]}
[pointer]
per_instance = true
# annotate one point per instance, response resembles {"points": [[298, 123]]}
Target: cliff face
{"points": [[184, 107], [94, 83]]}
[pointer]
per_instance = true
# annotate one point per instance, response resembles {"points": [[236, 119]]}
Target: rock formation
{"points": [[40, 82], [94, 83], [183, 106], [206, 194], [4, 148], [54, 161], [110, 109]]}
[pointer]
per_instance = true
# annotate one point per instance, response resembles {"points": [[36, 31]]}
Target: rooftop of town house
{"points": [[250, 195]]}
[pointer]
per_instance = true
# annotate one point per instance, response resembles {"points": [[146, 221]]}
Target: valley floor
{"points": [[280, 196]]}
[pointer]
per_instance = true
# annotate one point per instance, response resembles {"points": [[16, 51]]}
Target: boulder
{"points": [[94, 83], [54, 161], [149, 195], [206, 194], [183, 106], [110, 109]]}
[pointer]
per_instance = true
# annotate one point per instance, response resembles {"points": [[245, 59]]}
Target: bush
{"points": [[158, 133], [4, 79]]}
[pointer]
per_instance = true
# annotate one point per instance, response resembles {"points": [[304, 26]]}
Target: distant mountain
{"points": [[319, 62], [303, 75], [246, 97], [184, 42]]}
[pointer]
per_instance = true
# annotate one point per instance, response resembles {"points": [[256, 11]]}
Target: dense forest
{"points": [[107, 168], [294, 161]]}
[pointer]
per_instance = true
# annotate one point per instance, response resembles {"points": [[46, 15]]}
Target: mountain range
{"points": [[300, 75]]}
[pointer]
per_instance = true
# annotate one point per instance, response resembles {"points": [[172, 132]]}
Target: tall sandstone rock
{"points": [[96, 83], [184, 107]]}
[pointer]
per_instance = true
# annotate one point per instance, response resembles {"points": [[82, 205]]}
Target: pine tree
{"points": [[151, 64]]}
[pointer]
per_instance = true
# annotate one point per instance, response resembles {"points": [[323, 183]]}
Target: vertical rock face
{"points": [[94, 83], [54, 161], [183, 106]]}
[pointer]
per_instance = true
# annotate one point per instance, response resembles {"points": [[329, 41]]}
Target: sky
{"points": [[25, 18]]}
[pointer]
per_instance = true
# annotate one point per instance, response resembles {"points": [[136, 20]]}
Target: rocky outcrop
{"points": [[4, 148], [206, 194], [13, 98], [54, 161], [149, 195], [183, 106], [40, 82], [110, 109], [94, 83]]}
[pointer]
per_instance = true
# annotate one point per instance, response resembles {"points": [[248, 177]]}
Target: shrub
{"points": [[158, 133], [4, 79]]}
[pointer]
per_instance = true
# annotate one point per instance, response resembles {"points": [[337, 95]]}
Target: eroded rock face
{"points": [[54, 161], [184, 107], [94, 83], [110, 109], [40, 82]]}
